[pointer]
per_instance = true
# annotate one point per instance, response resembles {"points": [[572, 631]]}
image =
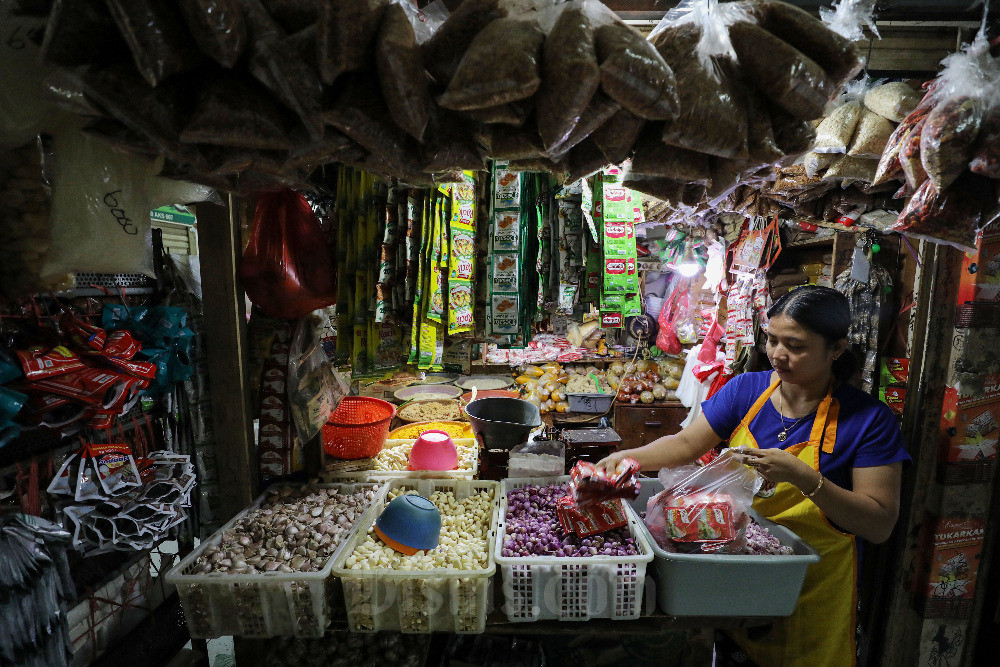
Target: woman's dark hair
{"points": [[824, 311]]}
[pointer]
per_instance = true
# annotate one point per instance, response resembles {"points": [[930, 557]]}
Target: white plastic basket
{"points": [[384, 475], [446, 600], [271, 604], [571, 588]]}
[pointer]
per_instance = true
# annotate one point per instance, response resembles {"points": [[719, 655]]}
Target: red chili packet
{"points": [[590, 485], [83, 335], [701, 522], [39, 363], [587, 521]]}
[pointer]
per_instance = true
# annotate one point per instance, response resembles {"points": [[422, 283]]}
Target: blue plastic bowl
{"points": [[409, 524]]}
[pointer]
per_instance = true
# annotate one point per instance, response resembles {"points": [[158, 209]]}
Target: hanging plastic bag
{"points": [[287, 269], [703, 509], [312, 389], [683, 322], [401, 71], [23, 113], [666, 337], [950, 216]]}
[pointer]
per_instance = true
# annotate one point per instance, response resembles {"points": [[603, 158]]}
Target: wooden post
{"points": [[226, 347]]}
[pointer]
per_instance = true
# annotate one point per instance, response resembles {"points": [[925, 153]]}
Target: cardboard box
{"points": [[980, 278], [945, 581]]}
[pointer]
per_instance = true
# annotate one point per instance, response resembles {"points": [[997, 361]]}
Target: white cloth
{"points": [[690, 392]]}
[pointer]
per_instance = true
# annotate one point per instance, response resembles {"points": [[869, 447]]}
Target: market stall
{"points": [[452, 256]]}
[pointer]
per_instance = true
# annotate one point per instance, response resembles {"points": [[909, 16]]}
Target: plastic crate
{"points": [[446, 600], [258, 605], [570, 588], [590, 403], [383, 475], [727, 585]]}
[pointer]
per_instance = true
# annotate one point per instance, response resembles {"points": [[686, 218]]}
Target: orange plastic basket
{"points": [[358, 427]]}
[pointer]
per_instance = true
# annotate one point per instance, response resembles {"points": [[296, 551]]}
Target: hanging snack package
{"points": [[115, 467], [948, 138], [217, 27], [500, 66], [894, 101], [156, 35], [833, 135], [986, 158], [703, 509], [444, 50], [949, 216], [790, 80], [401, 72], [346, 35], [450, 144], [909, 158], [570, 75], [633, 72], [286, 67], [712, 118], [600, 110]]}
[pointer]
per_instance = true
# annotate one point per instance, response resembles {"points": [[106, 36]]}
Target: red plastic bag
{"points": [[666, 337], [287, 268]]}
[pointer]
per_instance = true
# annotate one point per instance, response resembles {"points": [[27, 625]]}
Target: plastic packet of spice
{"points": [[600, 110], [506, 114], [909, 157], [655, 158], [617, 137], [570, 74], [948, 138], [584, 160], [218, 28], [834, 53], [793, 136], [157, 37], [634, 74], [40, 362], [88, 485], [115, 467], [894, 101], [712, 116], [791, 80], [500, 66], [590, 486], [335, 146], [81, 32], [460, 306], [761, 143], [450, 144], [949, 216], [986, 155], [232, 111], [871, 136], [347, 33], [286, 67], [833, 135], [444, 50], [60, 484], [401, 72]]}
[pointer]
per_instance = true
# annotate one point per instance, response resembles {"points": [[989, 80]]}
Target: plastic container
{"points": [[409, 524], [721, 585], [597, 403], [571, 589], [445, 600], [502, 423], [358, 427], [294, 604], [403, 473], [433, 451], [428, 392]]}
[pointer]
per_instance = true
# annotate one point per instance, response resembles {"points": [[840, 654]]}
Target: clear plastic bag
{"points": [[655, 158], [703, 509], [986, 158], [950, 216], [234, 111], [893, 101], [401, 72], [830, 45], [948, 138], [346, 35], [156, 35], [444, 50], [218, 27], [617, 137], [833, 135], [682, 320], [312, 389], [500, 66]]}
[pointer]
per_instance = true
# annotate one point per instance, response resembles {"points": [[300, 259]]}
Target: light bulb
{"points": [[689, 269]]}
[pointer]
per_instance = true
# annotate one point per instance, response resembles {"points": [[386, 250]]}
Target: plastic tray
{"points": [[721, 585], [571, 589], [258, 605], [446, 600], [590, 403], [383, 475]]}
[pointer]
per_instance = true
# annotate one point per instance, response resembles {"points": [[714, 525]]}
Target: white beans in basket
{"points": [[294, 530]]}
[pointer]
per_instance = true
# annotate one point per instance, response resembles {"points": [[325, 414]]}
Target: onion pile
{"points": [[760, 542], [533, 529]]}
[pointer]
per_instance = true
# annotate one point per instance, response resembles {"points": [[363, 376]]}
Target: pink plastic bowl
{"points": [[433, 450]]}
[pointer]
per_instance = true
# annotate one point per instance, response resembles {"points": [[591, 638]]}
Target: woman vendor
{"points": [[831, 458]]}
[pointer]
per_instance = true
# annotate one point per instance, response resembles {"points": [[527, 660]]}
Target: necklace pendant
{"points": [[782, 436]]}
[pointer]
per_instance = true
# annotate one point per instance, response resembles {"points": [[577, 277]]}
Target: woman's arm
{"points": [[670, 450], [869, 511]]}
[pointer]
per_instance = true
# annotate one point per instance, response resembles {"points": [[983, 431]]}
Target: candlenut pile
{"points": [[294, 530]]}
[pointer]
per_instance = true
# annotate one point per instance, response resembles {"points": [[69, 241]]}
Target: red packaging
{"points": [[700, 522], [92, 386], [590, 520], [945, 581], [899, 368], [970, 425], [115, 467], [895, 398], [83, 335], [980, 276], [140, 369], [590, 485], [122, 345], [39, 363]]}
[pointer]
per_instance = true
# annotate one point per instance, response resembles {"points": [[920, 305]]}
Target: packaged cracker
{"points": [[460, 304]]}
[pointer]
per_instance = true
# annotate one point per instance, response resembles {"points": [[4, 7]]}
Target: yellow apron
{"points": [[821, 630]]}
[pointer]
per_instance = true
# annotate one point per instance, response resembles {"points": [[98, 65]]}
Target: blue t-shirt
{"points": [[867, 432]]}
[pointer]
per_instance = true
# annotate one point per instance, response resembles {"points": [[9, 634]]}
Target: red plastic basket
{"points": [[358, 427]]}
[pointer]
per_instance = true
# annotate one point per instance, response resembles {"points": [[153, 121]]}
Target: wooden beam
{"points": [[226, 347]]}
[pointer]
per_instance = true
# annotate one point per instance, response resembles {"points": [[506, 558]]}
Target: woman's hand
{"points": [[778, 465], [609, 462]]}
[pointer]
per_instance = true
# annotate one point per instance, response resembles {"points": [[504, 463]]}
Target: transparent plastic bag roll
{"points": [[570, 74], [401, 72], [500, 66]]}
